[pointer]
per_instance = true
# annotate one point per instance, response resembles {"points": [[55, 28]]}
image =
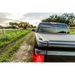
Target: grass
{"points": [[10, 36], [71, 27], [72, 31], [11, 51]]}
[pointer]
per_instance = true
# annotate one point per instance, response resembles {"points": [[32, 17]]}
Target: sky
{"points": [[33, 16]]}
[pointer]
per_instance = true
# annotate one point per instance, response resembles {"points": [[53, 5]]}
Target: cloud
{"points": [[16, 15], [3, 17], [37, 16], [4, 21], [33, 13]]}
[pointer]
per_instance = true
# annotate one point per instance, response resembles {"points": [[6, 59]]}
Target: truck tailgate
{"points": [[57, 55], [60, 58]]}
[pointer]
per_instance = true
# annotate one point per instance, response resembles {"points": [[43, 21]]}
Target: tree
{"points": [[34, 26], [0, 26], [31, 26], [54, 18], [58, 19], [23, 24], [69, 17], [12, 24], [46, 20]]}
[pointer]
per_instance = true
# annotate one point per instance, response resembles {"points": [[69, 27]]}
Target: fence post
{"points": [[2, 30], [21, 30], [6, 37], [3, 34], [15, 31]]}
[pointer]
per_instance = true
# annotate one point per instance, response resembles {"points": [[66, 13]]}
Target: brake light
{"points": [[53, 23], [38, 57]]}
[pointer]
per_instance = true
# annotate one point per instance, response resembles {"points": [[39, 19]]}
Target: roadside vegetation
{"points": [[10, 35], [13, 32], [11, 51]]}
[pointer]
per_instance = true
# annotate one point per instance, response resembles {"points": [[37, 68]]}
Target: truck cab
{"points": [[54, 43]]}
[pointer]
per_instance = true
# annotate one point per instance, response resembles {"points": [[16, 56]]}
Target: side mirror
{"points": [[33, 29]]}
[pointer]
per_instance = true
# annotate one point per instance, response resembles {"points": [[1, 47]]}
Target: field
{"points": [[9, 35], [72, 30]]}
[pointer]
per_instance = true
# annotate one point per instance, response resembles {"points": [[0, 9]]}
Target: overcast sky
{"points": [[33, 16]]}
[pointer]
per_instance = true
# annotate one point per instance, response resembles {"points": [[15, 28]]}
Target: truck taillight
{"points": [[38, 57]]}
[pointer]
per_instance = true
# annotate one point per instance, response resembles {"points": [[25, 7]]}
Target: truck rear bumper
{"points": [[57, 56]]}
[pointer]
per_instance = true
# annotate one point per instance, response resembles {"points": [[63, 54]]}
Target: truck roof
{"points": [[48, 23]]}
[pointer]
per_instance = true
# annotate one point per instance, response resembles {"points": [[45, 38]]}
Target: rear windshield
{"points": [[53, 29]]}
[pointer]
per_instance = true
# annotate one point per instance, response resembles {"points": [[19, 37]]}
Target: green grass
{"points": [[11, 51], [10, 36], [72, 31], [71, 27]]}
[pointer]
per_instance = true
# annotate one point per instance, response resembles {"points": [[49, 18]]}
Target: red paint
{"points": [[38, 57]]}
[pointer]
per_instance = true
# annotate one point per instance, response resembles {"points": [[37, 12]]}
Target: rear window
{"points": [[53, 28]]}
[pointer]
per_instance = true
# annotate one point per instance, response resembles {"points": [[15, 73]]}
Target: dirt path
{"points": [[24, 53], [3, 50]]}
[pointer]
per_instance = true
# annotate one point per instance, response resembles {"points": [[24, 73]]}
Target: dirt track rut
{"points": [[24, 53], [3, 50]]}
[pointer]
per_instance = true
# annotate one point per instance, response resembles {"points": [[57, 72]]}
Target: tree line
{"points": [[23, 25], [67, 18]]}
